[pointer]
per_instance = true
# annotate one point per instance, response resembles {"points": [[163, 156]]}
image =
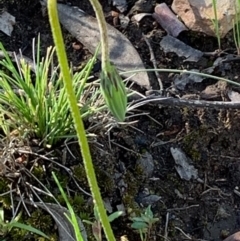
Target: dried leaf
{"points": [[138, 17], [184, 169], [65, 229], [171, 44], [85, 29], [181, 81], [6, 23]]}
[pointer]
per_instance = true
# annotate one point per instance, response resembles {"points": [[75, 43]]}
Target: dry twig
{"points": [[153, 60]]}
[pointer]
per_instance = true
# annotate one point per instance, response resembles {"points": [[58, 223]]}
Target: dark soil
{"points": [[203, 209]]}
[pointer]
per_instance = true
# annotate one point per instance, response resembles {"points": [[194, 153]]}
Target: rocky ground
{"points": [[195, 196]]}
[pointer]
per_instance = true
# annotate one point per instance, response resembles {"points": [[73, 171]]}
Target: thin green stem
{"points": [[180, 71], [236, 26], [81, 134], [216, 23], [103, 32]]}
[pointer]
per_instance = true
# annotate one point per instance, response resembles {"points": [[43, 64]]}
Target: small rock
{"points": [[184, 169], [150, 200], [181, 81], [108, 205], [121, 5], [122, 208], [222, 213], [6, 23], [171, 44], [199, 15], [145, 198], [146, 163], [233, 237], [169, 22], [233, 96]]}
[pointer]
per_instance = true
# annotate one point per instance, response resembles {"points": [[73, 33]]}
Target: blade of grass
{"points": [[183, 71], [28, 228], [216, 23], [236, 26], [73, 217]]}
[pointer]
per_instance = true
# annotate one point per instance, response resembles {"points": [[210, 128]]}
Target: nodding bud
{"points": [[114, 92]]}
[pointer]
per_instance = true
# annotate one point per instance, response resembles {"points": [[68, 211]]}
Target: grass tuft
{"points": [[33, 100]]}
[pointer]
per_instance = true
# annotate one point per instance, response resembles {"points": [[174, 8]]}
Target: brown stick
{"points": [[161, 100]]}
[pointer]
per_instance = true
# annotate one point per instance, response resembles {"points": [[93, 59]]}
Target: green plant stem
{"points": [[180, 71], [216, 24], [81, 134], [103, 32], [236, 26]]}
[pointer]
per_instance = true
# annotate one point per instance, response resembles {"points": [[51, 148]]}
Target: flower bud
{"points": [[114, 92]]}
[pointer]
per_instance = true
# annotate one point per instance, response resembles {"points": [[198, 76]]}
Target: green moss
{"points": [[77, 202], [23, 235], [105, 181], [38, 172], [173, 180], [80, 174], [194, 141], [4, 187], [133, 180], [140, 175], [40, 220], [17, 234], [62, 178]]}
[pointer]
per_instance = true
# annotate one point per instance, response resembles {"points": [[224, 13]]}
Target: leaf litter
{"points": [[85, 28]]}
